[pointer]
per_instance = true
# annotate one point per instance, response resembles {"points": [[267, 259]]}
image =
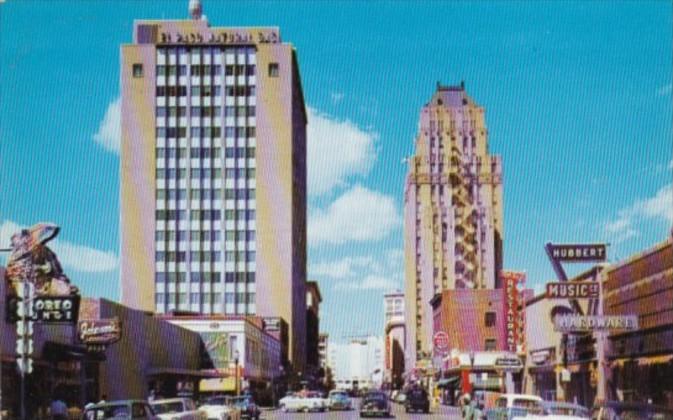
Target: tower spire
{"points": [[195, 9]]}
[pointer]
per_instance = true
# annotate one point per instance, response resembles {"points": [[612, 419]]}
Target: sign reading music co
{"points": [[572, 290]]}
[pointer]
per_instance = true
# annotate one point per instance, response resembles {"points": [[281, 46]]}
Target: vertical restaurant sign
{"points": [[388, 355], [514, 283]]}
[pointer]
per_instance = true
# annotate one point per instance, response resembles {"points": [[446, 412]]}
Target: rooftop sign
{"points": [[578, 252]]}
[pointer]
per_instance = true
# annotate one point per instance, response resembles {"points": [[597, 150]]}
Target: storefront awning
{"points": [[59, 352], [182, 372], [643, 361], [445, 382], [217, 384]]}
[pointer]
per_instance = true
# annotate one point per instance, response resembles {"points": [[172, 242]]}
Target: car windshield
{"points": [[168, 407], [375, 396], [339, 396], [108, 412], [216, 401]]}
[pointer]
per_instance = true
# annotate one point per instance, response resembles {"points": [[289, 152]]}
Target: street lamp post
{"points": [[238, 390]]}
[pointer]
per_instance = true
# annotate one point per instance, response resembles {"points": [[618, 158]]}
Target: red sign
{"points": [[387, 352], [514, 283], [441, 341]]}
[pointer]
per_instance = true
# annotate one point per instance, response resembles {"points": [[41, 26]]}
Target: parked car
{"points": [[339, 400], [303, 401], [247, 407], [374, 403], [417, 400], [565, 411], [515, 407], [177, 409], [618, 410], [131, 409], [219, 408]]}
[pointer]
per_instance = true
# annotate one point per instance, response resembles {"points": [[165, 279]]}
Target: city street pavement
{"points": [[442, 412]]}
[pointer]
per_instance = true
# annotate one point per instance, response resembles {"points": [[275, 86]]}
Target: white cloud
{"points": [[336, 97], [336, 151], [665, 90], [625, 226], [109, 130], [343, 268], [370, 282], [79, 258], [358, 215]]}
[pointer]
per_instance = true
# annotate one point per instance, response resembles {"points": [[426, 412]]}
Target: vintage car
{"points": [[303, 401], [374, 403], [610, 410], [123, 409], [339, 400], [515, 407], [177, 409], [220, 408], [417, 400]]}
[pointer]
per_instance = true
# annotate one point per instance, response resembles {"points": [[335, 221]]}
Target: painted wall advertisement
{"points": [[514, 283]]}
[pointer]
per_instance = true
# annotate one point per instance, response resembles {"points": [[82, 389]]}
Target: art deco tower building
{"points": [[213, 173], [453, 211]]}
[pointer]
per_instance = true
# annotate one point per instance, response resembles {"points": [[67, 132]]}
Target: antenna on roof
{"points": [[195, 9]]}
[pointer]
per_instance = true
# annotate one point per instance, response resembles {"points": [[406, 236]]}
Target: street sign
{"points": [[572, 290], [588, 323], [441, 341], [577, 252]]}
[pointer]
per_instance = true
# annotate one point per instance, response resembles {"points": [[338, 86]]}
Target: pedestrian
{"points": [[58, 409], [103, 398], [153, 395], [467, 410]]}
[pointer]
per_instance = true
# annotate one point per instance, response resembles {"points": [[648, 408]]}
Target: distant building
{"points": [[313, 299], [395, 337], [323, 350], [474, 320], [213, 173], [453, 211], [358, 364]]}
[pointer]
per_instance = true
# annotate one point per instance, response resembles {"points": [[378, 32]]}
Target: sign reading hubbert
{"points": [[577, 253]]}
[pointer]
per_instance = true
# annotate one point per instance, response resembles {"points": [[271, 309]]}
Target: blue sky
{"points": [[577, 98]]}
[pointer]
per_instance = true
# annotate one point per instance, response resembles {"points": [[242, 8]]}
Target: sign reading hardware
{"points": [[578, 253], [568, 290], [585, 323]]}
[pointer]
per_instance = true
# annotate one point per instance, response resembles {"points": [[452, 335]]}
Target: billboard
{"points": [[216, 349], [48, 296], [514, 283]]}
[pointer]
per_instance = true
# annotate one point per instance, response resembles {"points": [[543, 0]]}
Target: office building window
{"points": [[490, 344], [160, 277], [137, 70], [273, 69]]}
